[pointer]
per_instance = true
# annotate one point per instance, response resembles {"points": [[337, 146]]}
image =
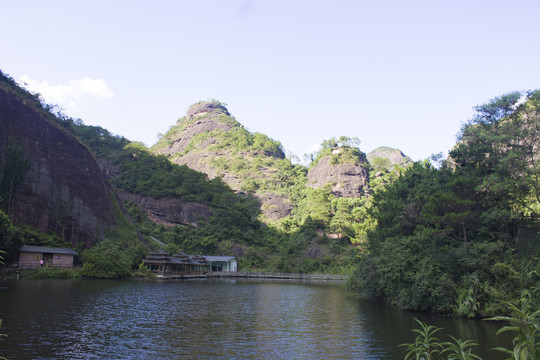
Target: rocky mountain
{"points": [[386, 157], [208, 139], [48, 179], [345, 169]]}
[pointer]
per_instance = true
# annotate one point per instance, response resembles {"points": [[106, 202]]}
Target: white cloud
{"points": [[66, 95], [96, 87], [312, 149]]}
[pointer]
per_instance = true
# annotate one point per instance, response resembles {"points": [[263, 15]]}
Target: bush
{"points": [[106, 260]]}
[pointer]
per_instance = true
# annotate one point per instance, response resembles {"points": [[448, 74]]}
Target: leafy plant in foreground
{"points": [[2, 336], [460, 350], [428, 347], [526, 326], [425, 345], [524, 321]]}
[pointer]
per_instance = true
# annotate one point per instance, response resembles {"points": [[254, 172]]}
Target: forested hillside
{"points": [[191, 213], [463, 238]]}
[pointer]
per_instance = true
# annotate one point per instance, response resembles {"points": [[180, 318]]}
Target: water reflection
{"points": [[87, 319]]}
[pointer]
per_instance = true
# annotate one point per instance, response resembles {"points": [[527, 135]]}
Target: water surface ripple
{"points": [[85, 319]]}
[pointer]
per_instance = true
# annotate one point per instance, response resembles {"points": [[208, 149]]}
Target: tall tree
{"points": [[503, 140]]}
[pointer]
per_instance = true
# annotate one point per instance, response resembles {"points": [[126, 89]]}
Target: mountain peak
{"points": [[204, 107]]}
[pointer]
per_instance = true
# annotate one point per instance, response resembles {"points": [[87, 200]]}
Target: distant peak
{"points": [[204, 107]]}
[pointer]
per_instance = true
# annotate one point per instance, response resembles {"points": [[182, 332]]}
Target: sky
{"points": [[404, 74]]}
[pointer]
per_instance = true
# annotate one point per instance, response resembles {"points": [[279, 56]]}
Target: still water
{"points": [[207, 319]]}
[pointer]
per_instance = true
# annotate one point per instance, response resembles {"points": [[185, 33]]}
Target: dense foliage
{"points": [[445, 239]]}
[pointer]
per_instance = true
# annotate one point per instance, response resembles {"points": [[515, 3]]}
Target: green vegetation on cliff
{"points": [[210, 140]]}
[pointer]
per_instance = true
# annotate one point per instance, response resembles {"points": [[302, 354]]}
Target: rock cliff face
{"points": [[63, 189], [169, 212], [347, 178]]}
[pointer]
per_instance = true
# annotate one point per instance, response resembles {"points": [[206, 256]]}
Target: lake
{"points": [[210, 319]]}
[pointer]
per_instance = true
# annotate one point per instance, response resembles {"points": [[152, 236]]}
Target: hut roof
{"points": [[160, 257], [219, 258], [47, 250]]}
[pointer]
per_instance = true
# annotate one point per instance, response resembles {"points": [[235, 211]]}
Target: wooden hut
{"points": [[165, 265], [32, 257]]}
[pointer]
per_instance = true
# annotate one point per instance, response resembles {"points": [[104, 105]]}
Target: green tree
{"points": [[503, 141], [106, 260]]}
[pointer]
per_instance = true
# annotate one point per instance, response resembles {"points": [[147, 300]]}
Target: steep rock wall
{"points": [[63, 189], [346, 180], [169, 212]]}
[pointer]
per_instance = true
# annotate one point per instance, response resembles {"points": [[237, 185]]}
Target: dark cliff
{"points": [[62, 189], [169, 211]]}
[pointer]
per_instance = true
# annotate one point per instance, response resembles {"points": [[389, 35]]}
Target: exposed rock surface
{"points": [[202, 155], [200, 118], [198, 127], [394, 156], [63, 190], [346, 180], [274, 206], [169, 212]]}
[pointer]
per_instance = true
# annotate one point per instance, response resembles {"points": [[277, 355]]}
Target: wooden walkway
{"points": [[254, 275], [277, 276], [182, 276]]}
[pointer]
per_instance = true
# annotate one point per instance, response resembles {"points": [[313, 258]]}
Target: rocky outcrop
{"points": [[198, 127], [200, 119], [63, 189], [390, 156], [346, 180], [274, 206], [209, 140], [169, 212]]}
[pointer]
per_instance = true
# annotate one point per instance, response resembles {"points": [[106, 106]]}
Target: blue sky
{"points": [[404, 74]]}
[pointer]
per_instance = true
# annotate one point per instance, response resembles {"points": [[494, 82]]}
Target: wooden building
{"points": [[165, 265], [32, 257], [181, 265]]}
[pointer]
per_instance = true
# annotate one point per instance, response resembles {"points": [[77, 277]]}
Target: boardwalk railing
{"points": [[285, 276]]}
